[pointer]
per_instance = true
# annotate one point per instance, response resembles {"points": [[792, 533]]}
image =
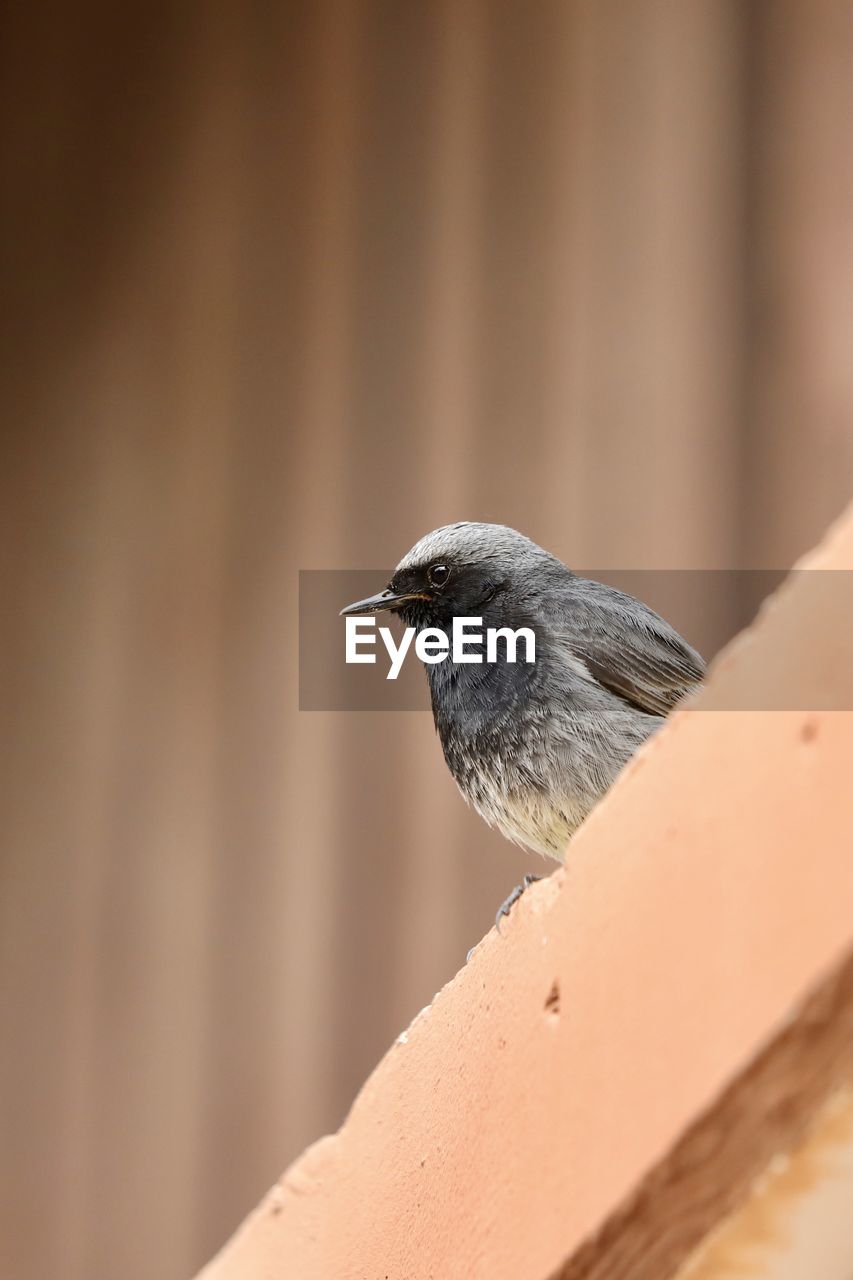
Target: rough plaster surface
{"points": [[797, 1225], [705, 896]]}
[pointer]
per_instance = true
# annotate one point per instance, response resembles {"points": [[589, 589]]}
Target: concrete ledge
{"points": [[702, 902]]}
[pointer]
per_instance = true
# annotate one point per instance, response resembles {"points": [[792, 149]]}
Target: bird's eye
{"points": [[438, 574]]}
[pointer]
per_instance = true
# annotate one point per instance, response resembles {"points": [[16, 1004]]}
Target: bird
{"points": [[533, 746]]}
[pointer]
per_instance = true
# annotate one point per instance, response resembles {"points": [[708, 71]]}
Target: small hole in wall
{"points": [[808, 731], [552, 1002]]}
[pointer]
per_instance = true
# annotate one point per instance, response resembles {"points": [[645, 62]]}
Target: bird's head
{"points": [[465, 570]]}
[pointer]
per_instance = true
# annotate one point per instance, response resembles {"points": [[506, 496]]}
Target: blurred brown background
{"points": [[284, 286]]}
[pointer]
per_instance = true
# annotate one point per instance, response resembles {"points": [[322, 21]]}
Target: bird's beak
{"points": [[387, 599]]}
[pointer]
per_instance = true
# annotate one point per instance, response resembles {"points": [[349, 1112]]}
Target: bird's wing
{"points": [[629, 648]]}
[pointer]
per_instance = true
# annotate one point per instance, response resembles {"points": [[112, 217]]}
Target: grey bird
{"points": [[534, 746]]}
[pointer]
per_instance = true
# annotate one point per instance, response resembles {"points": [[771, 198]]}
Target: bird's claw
{"points": [[508, 903]]}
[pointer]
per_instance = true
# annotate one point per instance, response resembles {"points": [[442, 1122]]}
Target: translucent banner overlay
{"points": [[707, 606]]}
